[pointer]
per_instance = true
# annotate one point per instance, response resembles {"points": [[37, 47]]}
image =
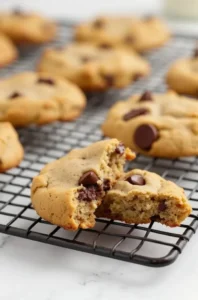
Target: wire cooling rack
{"points": [[152, 245]]}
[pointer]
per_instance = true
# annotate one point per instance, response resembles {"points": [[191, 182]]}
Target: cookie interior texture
{"points": [[141, 197], [68, 191]]}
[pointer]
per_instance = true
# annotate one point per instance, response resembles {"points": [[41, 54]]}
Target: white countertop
{"points": [[35, 271]]}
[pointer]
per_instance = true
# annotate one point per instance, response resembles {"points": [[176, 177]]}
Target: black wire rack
{"points": [[152, 245]]}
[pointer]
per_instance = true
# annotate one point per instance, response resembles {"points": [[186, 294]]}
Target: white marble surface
{"points": [[35, 271]]}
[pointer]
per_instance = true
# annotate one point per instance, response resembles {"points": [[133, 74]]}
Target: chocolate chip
{"points": [[146, 96], [145, 135], [14, 95], [98, 24], [106, 185], [86, 59], [109, 79], [129, 39], [162, 206], [88, 178], [136, 179], [120, 149], [92, 192], [17, 11], [195, 53], [137, 76], [105, 46], [156, 218], [135, 113], [46, 81], [148, 18]]}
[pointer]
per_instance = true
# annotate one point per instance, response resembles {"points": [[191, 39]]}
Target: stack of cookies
{"points": [[90, 182]]}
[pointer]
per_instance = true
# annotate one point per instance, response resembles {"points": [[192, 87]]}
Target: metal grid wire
{"points": [[151, 245]]}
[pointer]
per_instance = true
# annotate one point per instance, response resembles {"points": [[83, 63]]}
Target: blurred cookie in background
{"points": [[24, 27], [8, 51], [94, 67], [133, 33], [183, 75]]}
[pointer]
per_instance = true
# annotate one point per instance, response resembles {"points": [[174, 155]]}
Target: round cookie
{"points": [[24, 27], [183, 75], [11, 150], [161, 125], [68, 190], [133, 33], [140, 196], [92, 67], [30, 97], [8, 51]]}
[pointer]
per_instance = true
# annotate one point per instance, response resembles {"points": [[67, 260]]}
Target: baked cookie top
{"points": [[68, 191], [182, 75], [162, 125], [11, 150], [92, 67], [138, 34], [8, 51], [140, 196], [24, 27], [30, 97]]}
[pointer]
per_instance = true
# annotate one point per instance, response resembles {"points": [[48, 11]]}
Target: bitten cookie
{"points": [[141, 197], [39, 98], [11, 150], [162, 125], [24, 27], [183, 75], [92, 67], [133, 33], [68, 191], [8, 51]]}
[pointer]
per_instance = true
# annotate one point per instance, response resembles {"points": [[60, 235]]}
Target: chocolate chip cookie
{"points": [[68, 191], [162, 125], [133, 33], [11, 150], [39, 98], [141, 197], [24, 27], [94, 68], [183, 75], [8, 51]]}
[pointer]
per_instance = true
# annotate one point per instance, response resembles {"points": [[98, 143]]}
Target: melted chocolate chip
{"points": [[46, 81], [98, 24], [88, 178], [14, 95], [106, 185], [156, 218], [146, 96], [195, 53], [136, 179], [145, 135], [105, 46], [148, 18], [162, 206], [109, 79], [86, 59], [17, 11], [135, 113], [137, 76], [129, 39], [120, 149], [92, 192]]}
